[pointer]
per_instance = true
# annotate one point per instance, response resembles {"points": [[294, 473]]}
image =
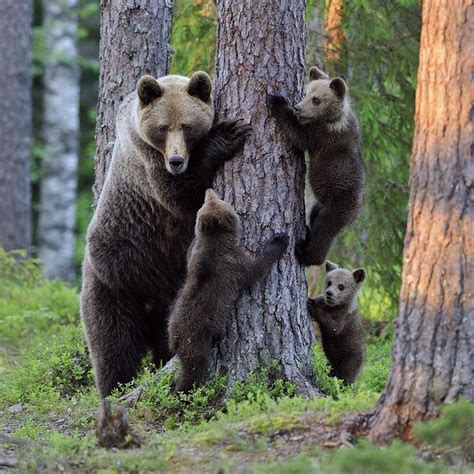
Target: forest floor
{"points": [[48, 407]]}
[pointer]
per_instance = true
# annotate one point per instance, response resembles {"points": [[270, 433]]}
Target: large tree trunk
{"points": [[260, 49], [433, 356], [333, 27], [15, 123], [60, 131], [134, 40]]}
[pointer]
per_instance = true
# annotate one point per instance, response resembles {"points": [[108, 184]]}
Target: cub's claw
{"points": [[275, 100]]}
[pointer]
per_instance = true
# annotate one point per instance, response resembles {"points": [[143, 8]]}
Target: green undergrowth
{"points": [[48, 404]]}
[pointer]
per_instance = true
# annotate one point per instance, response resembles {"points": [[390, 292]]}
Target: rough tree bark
{"points": [[15, 123], [60, 132], [433, 355], [134, 40], [260, 49]]}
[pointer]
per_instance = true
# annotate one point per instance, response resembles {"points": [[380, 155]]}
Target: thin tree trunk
{"points": [[60, 131], [15, 123], [333, 28], [433, 356], [260, 49], [134, 40]]}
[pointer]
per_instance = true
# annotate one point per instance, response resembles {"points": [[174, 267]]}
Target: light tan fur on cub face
{"points": [[216, 217], [173, 114], [341, 286], [325, 99]]}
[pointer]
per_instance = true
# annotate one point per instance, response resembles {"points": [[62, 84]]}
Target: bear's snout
{"points": [[176, 162]]}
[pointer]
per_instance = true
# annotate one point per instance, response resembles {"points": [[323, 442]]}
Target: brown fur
{"points": [[135, 258], [323, 124], [336, 313], [218, 271]]}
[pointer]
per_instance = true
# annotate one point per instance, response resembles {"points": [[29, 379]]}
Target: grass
{"points": [[48, 404]]}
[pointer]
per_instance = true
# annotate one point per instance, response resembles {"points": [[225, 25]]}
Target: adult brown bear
{"points": [[165, 157]]}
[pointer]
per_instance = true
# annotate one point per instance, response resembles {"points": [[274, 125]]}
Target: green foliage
{"points": [[452, 432]]}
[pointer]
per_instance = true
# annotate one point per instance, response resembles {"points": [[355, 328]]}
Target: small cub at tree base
{"points": [[324, 124], [218, 271], [336, 313]]}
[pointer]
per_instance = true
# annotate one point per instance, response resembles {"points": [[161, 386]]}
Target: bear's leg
{"points": [[114, 336], [329, 221], [194, 358], [348, 367], [157, 338], [314, 213]]}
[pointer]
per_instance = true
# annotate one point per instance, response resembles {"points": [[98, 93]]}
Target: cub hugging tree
{"points": [[218, 270], [324, 124], [165, 157]]}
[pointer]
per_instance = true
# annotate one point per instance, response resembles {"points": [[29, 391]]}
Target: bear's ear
{"points": [[210, 194], [200, 86], [330, 266], [148, 89], [339, 87], [359, 275], [315, 74]]}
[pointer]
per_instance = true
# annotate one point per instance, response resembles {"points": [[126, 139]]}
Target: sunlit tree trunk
{"points": [[134, 40], [60, 133], [433, 355], [15, 123], [260, 49], [333, 28]]}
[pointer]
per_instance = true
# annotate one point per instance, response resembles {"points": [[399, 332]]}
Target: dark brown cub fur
{"points": [[324, 124], [337, 315], [218, 271]]}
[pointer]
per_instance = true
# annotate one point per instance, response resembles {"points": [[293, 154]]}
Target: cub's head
{"points": [[174, 113], [341, 286], [325, 101], [216, 217]]}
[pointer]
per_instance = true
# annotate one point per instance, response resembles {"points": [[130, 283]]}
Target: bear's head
{"points": [[325, 100], [216, 218], [174, 113], [341, 286]]}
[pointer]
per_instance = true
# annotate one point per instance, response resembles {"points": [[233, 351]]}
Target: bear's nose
{"points": [[176, 162], [329, 293], [297, 109]]}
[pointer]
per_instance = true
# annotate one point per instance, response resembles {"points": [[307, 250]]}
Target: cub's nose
{"points": [[297, 109], [329, 293], [176, 162]]}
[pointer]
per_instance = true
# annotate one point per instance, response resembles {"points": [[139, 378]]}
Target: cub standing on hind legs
{"points": [[324, 124], [337, 315], [218, 271]]}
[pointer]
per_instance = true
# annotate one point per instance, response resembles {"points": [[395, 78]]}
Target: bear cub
{"points": [[218, 271], [324, 124], [336, 313]]}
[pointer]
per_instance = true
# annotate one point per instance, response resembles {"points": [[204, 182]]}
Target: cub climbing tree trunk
{"points": [[260, 49], [60, 131], [15, 123], [434, 347], [134, 40]]}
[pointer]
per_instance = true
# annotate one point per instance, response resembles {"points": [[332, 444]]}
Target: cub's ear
{"points": [[339, 87], [330, 266], [315, 74], [359, 275], [210, 194], [148, 89], [200, 86]]}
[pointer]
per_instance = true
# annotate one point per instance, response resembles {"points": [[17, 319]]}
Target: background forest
{"points": [[47, 395]]}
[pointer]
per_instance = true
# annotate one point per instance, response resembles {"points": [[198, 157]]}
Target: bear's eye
{"points": [[163, 129], [329, 283], [186, 128], [316, 101], [341, 287]]}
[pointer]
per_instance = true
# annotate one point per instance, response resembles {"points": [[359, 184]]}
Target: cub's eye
{"points": [[329, 283], [316, 101], [341, 287], [186, 128], [163, 129]]}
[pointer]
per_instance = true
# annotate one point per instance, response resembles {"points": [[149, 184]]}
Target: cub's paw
{"points": [[301, 252], [230, 137], [277, 245], [311, 306], [276, 102]]}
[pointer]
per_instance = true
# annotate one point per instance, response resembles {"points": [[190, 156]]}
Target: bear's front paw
{"points": [[277, 245], [276, 102], [311, 306], [301, 251], [231, 136]]}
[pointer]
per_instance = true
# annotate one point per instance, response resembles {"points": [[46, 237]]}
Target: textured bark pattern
{"points": [[433, 356], [15, 123], [333, 29], [134, 40], [60, 133], [260, 47]]}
